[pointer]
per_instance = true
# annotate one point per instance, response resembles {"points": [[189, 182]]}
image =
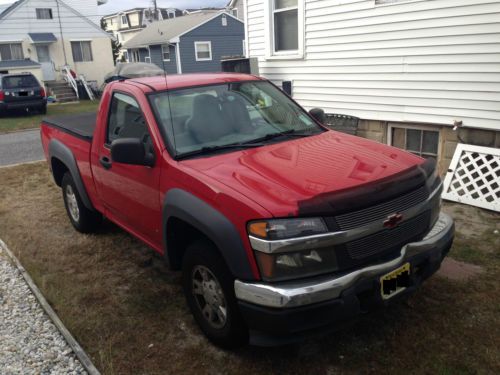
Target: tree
{"points": [[115, 44]]}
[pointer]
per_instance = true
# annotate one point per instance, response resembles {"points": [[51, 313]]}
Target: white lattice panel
{"points": [[474, 177]]}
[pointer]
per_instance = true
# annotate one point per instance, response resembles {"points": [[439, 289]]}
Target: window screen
{"points": [[82, 51], [203, 51], [44, 14], [11, 52], [286, 24], [418, 141]]}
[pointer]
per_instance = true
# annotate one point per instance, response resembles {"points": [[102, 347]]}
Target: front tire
{"points": [[208, 287], [83, 219]]}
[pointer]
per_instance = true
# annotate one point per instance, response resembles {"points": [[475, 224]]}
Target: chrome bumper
{"points": [[300, 293]]}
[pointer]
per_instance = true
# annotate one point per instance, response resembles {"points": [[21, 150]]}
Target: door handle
{"points": [[105, 162]]}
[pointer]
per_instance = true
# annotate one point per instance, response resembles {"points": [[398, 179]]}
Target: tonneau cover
{"points": [[81, 125]]}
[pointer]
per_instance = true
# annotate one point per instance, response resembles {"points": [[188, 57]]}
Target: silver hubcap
{"points": [[209, 296], [72, 203]]}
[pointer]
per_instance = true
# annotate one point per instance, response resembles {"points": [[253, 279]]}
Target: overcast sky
{"points": [[115, 5]]}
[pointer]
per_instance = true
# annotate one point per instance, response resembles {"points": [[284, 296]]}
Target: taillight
{"points": [[42, 92], [2, 95]]}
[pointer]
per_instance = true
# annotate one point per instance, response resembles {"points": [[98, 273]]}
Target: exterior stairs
{"points": [[62, 91]]}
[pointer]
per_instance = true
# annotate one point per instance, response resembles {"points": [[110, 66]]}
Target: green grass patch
{"points": [[20, 121]]}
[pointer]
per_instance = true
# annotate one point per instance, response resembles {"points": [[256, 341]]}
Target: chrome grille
{"points": [[380, 211], [378, 243]]}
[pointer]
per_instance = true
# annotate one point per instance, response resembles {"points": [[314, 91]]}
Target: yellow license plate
{"points": [[395, 281]]}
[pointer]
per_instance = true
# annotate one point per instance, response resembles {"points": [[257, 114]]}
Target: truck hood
{"points": [[314, 175]]}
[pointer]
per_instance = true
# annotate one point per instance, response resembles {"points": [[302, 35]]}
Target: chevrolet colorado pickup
{"points": [[282, 228]]}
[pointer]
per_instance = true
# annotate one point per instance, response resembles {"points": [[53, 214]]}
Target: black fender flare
{"points": [[213, 224], [61, 152]]}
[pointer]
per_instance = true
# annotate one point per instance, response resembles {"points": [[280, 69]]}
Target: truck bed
{"points": [[81, 125]]}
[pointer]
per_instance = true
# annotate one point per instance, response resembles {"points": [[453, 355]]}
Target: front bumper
{"points": [[287, 309]]}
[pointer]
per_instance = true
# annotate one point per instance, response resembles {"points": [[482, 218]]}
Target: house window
{"points": [[171, 14], [285, 25], [234, 12], [165, 52], [44, 14], [203, 51], [136, 56], [124, 20], [82, 51], [12, 51], [419, 141]]}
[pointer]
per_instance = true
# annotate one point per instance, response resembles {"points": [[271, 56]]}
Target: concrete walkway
{"points": [[20, 147]]}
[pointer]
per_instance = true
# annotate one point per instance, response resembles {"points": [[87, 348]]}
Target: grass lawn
{"points": [[130, 315], [19, 121]]}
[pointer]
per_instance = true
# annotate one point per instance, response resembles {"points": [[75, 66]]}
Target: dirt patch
{"points": [[459, 271], [130, 316]]}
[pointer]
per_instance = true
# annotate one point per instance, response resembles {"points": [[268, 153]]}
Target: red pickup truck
{"points": [[282, 228]]}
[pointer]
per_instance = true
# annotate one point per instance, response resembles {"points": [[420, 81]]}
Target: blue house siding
{"points": [[157, 58], [226, 41]]}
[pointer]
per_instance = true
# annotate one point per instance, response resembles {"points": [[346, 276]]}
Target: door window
{"points": [[126, 121], [43, 54]]}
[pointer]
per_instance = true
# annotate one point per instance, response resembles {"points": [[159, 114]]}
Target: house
{"points": [[420, 75], [236, 8], [192, 43], [126, 24], [42, 36]]}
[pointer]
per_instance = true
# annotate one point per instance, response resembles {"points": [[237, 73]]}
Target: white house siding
{"points": [[428, 61], [86, 7]]}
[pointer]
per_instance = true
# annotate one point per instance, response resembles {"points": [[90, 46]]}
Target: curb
{"points": [[23, 163], [75, 346]]}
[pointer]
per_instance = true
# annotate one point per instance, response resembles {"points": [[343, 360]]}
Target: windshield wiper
{"points": [[210, 149], [286, 133]]}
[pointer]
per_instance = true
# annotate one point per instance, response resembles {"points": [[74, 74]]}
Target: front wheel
{"points": [[208, 286], [83, 219]]}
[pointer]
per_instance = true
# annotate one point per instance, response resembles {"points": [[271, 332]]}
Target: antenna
{"points": [[168, 89]]}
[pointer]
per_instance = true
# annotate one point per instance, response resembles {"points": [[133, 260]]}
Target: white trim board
{"points": [[473, 177]]}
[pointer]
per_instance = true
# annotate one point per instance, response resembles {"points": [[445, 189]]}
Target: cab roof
{"points": [[171, 82]]}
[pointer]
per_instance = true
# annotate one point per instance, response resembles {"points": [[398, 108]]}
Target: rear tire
{"points": [[83, 219], [209, 290], [43, 109]]}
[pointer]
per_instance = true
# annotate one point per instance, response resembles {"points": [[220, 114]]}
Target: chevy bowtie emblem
{"points": [[393, 220]]}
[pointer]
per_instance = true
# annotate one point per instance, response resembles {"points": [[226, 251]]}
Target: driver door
{"points": [[130, 193]]}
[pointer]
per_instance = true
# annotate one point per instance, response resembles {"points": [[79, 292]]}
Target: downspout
{"points": [[178, 57], [61, 31]]}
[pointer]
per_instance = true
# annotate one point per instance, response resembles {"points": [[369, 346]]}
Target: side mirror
{"points": [[131, 151], [318, 114]]}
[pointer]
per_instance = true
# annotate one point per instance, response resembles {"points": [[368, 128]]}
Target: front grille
{"points": [[389, 239], [380, 211]]}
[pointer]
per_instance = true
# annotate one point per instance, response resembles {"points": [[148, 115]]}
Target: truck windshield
{"points": [[228, 116]]}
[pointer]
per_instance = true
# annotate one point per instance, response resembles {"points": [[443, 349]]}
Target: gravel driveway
{"points": [[20, 147], [29, 341]]}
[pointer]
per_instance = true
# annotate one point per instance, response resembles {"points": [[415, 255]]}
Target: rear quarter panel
{"points": [[81, 151]]}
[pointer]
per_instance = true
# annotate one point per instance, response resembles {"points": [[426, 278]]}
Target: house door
{"points": [[44, 59]]}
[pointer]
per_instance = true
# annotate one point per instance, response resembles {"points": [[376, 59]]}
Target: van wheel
{"points": [[208, 286], [83, 219]]}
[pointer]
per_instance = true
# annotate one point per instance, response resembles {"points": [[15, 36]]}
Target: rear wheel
{"points": [[83, 219], [208, 286], [43, 109]]}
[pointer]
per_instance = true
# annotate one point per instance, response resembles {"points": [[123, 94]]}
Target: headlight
{"points": [[285, 266], [287, 228], [281, 265]]}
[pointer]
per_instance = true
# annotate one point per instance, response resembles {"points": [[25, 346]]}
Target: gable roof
{"points": [[4, 11], [164, 31], [17, 4]]}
